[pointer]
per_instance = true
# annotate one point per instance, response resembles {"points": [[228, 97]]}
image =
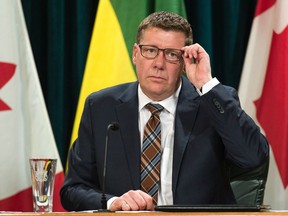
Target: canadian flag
{"points": [[263, 91], [25, 130]]}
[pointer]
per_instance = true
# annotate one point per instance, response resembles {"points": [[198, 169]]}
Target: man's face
{"points": [[158, 78]]}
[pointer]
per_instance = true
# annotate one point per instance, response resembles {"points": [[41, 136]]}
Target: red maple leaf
{"points": [[272, 106], [7, 71]]}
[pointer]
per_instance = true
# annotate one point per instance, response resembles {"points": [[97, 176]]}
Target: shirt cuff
{"points": [[110, 201], [208, 86]]}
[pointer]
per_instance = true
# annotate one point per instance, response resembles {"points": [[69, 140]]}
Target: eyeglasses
{"points": [[151, 52]]}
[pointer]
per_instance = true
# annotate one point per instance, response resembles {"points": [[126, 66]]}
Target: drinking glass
{"points": [[42, 177]]}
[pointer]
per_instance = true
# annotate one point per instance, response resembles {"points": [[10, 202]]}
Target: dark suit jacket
{"points": [[211, 131]]}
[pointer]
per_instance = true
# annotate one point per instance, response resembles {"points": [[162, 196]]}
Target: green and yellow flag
{"points": [[114, 34]]}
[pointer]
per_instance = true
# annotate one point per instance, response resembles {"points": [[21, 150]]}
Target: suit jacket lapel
{"points": [[186, 112], [127, 113]]}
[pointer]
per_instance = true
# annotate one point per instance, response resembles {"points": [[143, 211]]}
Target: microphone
{"points": [[112, 126]]}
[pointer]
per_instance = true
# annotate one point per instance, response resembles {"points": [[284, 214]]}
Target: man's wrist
{"points": [[208, 86], [110, 201]]}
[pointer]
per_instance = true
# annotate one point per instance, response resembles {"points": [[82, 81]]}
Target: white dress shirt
{"points": [[167, 117]]}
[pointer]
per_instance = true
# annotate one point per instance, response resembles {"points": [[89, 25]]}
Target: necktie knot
{"points": [[155, 109]]}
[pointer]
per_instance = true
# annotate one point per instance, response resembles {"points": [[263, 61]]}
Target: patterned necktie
{"points": [[151, 153]]}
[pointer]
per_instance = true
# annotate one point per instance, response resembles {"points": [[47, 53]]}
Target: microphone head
{"points": [[113, 126]]}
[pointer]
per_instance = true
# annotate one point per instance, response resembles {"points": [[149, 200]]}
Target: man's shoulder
{"points": [[114, 91]]}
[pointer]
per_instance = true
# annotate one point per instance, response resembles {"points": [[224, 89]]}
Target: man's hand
{"points": [[197, 65], [133, 201]]}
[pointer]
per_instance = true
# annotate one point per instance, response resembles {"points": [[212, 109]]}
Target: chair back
{"points": [[248, 185]]}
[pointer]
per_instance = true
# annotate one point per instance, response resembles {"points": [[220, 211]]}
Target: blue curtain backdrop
{"points": [[60, 32]]}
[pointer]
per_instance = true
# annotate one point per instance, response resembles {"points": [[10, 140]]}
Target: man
{"points": [[203, 128]]}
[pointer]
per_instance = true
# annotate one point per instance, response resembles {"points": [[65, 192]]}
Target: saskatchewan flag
{"points": [[114, 34]]}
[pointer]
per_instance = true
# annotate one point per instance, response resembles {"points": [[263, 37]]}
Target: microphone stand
{"points": [[113, 126]]}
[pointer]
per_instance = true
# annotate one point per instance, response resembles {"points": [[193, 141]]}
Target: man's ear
{"points": [[135, 53], [183, 67]]}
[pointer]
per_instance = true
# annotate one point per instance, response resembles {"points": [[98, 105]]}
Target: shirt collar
{"points": [[169, 103]]}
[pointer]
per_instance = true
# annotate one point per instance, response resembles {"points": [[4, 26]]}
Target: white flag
{"points": [[25, 130], [263, 91]]}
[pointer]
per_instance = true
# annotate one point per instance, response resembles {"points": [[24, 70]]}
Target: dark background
{"points": [[60, 32]]}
